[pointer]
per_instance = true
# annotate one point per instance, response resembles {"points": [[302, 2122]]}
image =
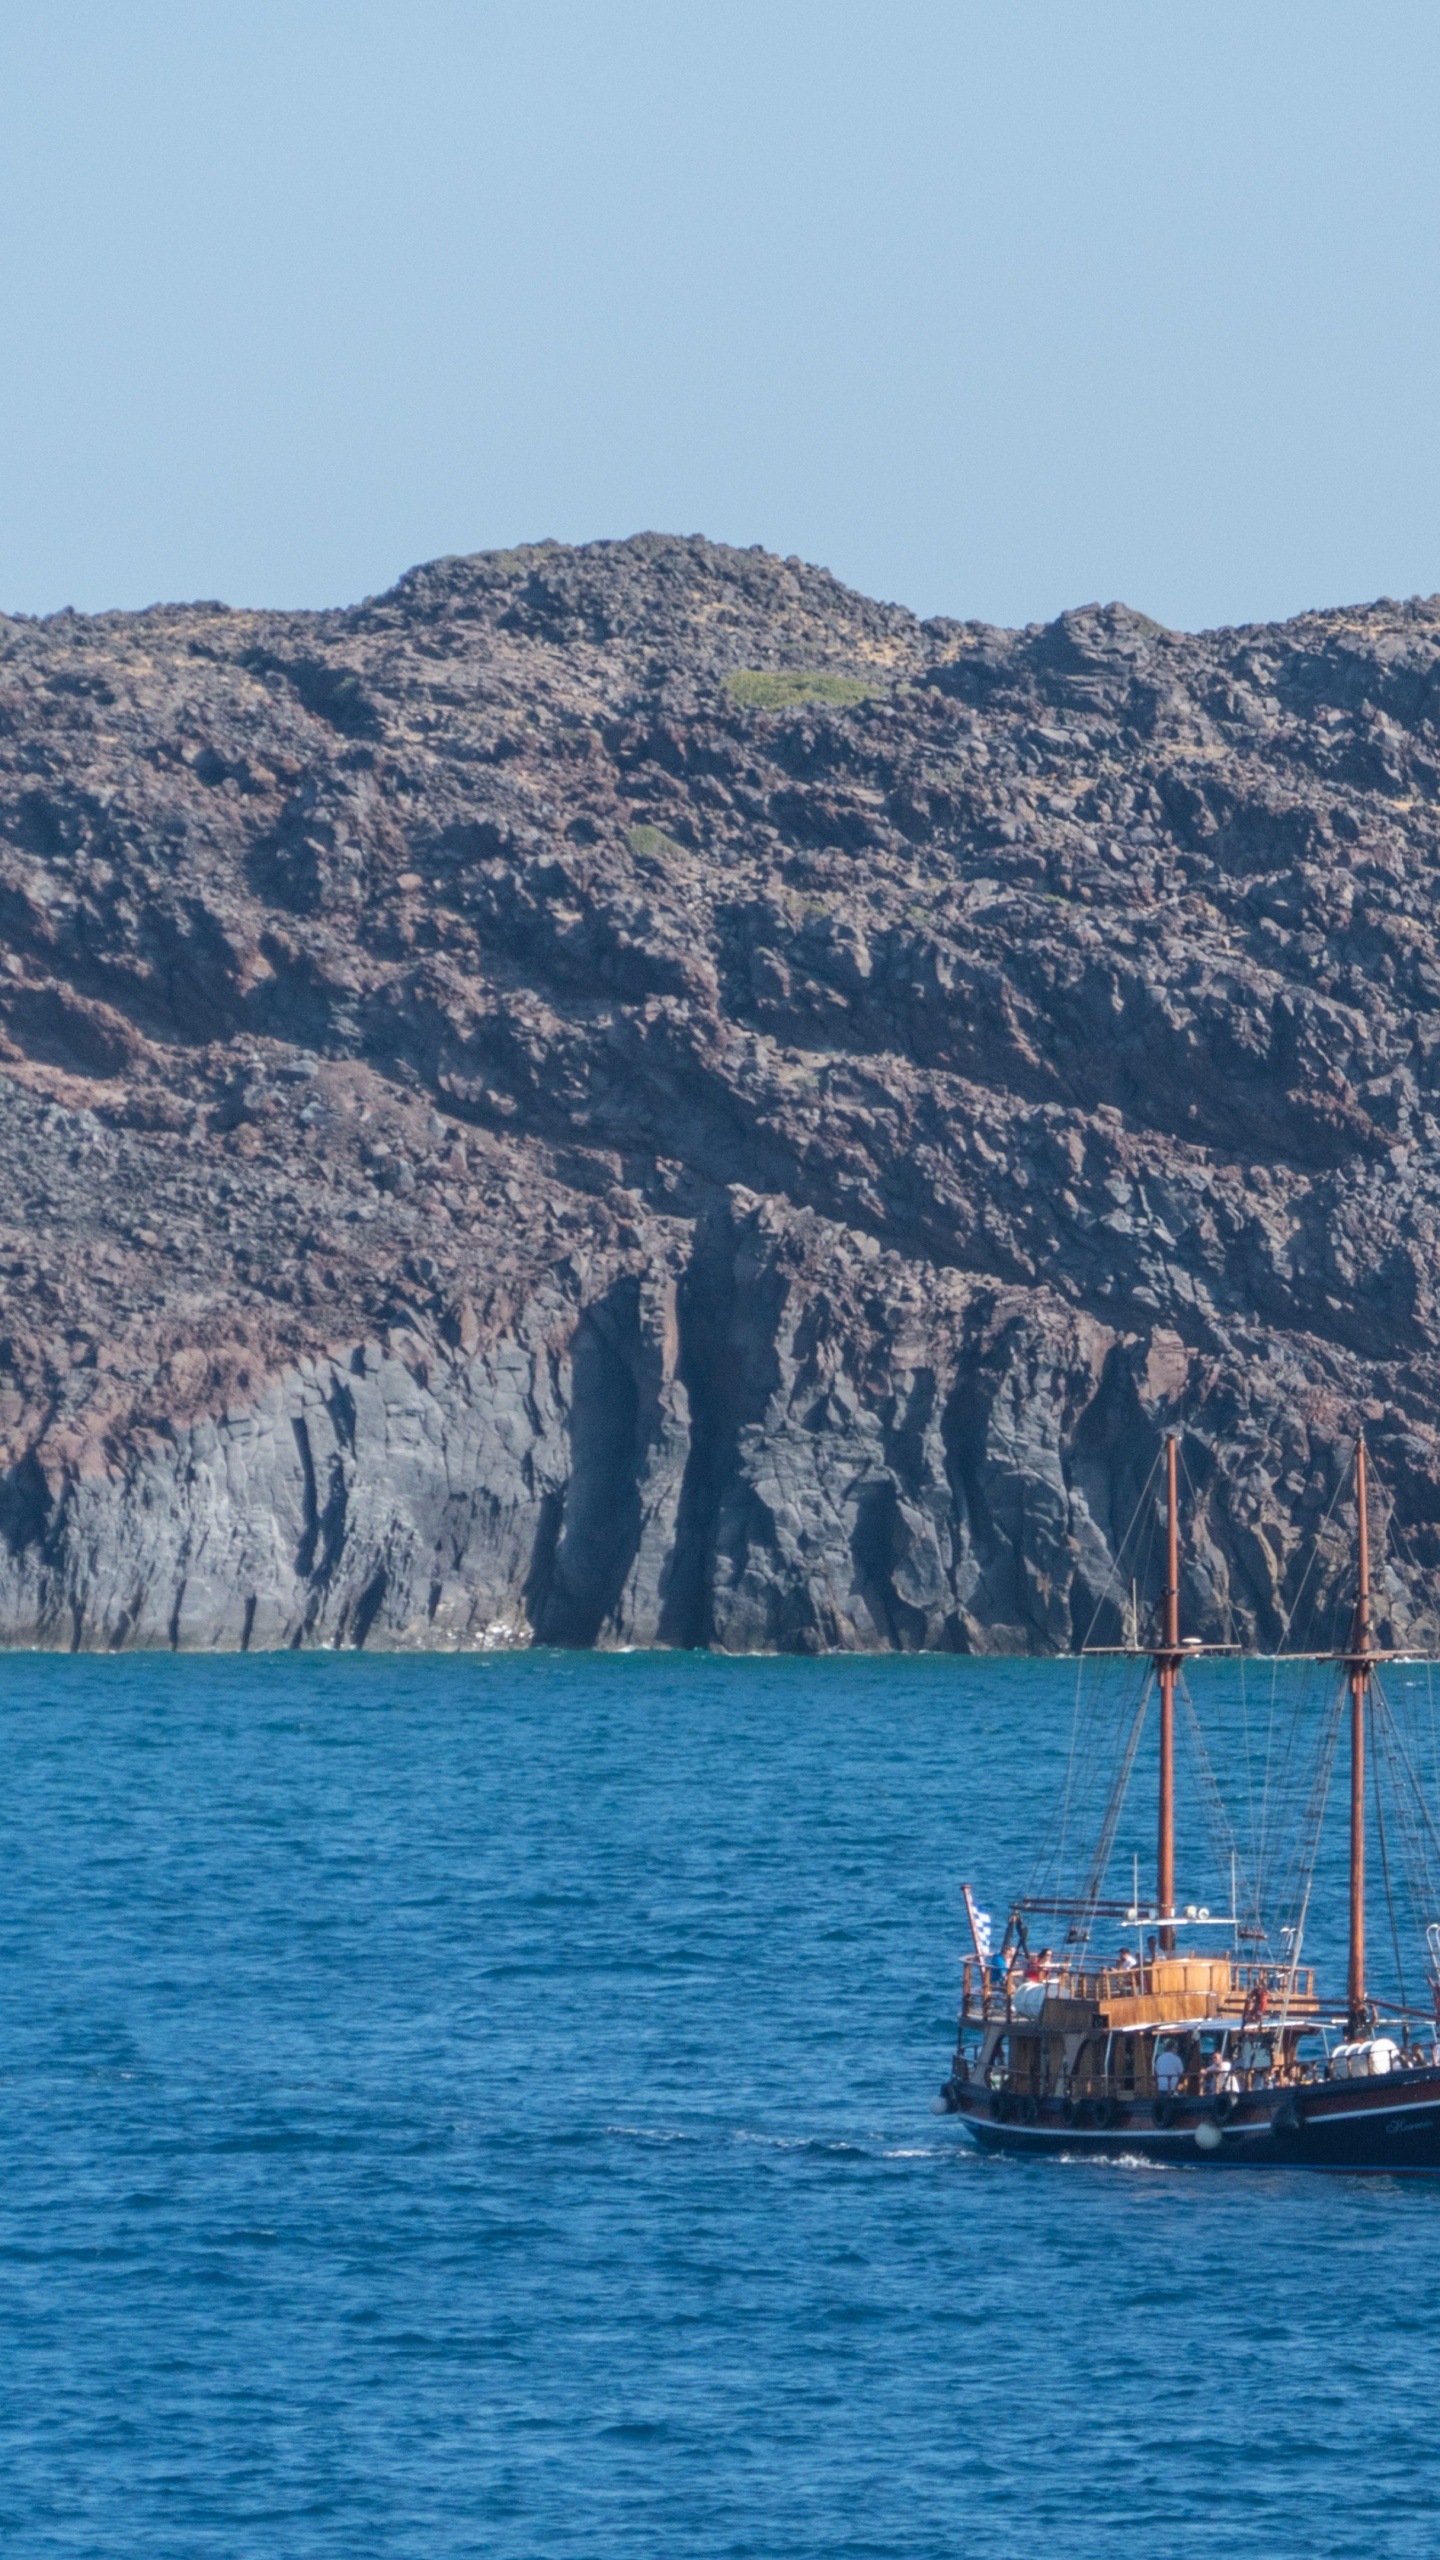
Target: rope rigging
{"points": [[1285, 1799]]}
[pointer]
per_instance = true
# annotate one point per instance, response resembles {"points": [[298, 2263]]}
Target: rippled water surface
{"points": [[483, 2106]]}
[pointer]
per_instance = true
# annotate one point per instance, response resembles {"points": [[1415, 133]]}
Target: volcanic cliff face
{"points": [[633, 1095]]}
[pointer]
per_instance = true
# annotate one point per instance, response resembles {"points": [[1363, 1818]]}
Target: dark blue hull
{"points": [[1388, 2126]]}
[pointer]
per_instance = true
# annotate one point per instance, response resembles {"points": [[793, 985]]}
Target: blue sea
{"points": [[483, 2106]]}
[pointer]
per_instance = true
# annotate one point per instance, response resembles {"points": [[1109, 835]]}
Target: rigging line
{"points": [[1411, 1574], [1142, 1518], [1297, 1941], [1094, 1884], [1224, 1847], [1285, 1729], [1185, 1472], [1209, 1788], [1126, 1697], [1140, 1531], [1418, 1874], [1060, 1815], [1120, 1787], [1412, 1798], [1057, 1871], [1401, 1532], [1262, 1844], [1187, 1422], [1287, 1621], [1090, 1718], [1393, 1530], [1421, 1807], [1288, 1884], [1301, 1871], [1125, 1539], [1081, 1723], [1402, 1539], [1248, 1750], [1385, 1862], [1287, 1617], [1434, 1753], [1232, 1636], [1279, 1786], [1122, 1546]]}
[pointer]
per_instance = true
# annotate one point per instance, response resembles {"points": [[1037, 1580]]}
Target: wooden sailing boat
{"points": [[1181, 2054]]}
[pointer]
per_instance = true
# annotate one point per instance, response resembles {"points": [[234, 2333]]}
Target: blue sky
{"points": [[991, 309]]}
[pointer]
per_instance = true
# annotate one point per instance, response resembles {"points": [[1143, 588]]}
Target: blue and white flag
{"points": [[980, 1929]]}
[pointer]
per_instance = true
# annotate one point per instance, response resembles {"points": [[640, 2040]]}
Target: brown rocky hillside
{"points": [[632, 1095]]}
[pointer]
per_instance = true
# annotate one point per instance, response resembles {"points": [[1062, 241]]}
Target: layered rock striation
{"points": [[631, 1095]]}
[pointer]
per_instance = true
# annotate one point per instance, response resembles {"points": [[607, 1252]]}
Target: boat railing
{"points": [[1264, 1990], [1257, 1982], [1275, 1983], [1137, 2089]]}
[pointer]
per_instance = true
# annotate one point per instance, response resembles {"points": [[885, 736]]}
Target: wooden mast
{"points": [[1167, 1663], [1359, 1666]]}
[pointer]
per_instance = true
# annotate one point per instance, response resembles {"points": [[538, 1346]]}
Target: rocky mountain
{"points": [[632, 1095]]}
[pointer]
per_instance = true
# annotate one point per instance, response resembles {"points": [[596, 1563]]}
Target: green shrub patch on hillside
{"points": [[776, 688], [651, 844]]}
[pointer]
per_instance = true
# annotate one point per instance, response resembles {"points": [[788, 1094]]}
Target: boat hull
{"points": [[1388, 2126]]}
